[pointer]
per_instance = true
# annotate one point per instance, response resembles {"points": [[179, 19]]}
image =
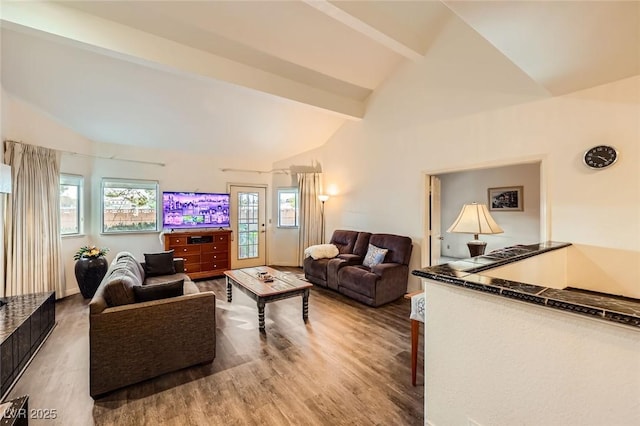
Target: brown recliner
{"points": [[352, 246], [384, 282]]}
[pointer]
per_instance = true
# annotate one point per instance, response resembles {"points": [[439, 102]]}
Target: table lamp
{"points": [[475, 219]]}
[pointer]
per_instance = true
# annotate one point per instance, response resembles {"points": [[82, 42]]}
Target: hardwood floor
{"points": [[349, 365]]}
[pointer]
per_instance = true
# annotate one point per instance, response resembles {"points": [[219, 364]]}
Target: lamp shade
{"points": [[5, 179], [323, 197], [475, 219]]}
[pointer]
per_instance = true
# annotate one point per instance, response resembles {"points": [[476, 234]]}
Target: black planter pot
{"points": [[89, 274]]}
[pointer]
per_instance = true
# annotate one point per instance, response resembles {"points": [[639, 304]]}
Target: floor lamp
{"points": [[475, 219], [323, 198]]}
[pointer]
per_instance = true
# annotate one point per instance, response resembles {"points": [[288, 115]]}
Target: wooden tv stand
{"points": [[206, 254]]}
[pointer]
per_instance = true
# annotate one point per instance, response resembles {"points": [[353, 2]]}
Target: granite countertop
{"points": [[464, 273]]}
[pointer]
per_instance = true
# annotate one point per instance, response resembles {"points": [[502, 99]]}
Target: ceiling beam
{"points": [[126, 43], [362, 27]]}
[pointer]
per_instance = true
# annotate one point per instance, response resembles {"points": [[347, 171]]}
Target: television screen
{"points": [[195, 210]]}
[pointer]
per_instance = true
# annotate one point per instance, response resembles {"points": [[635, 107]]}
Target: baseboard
{"points": [[71, 291], [287, 264]]}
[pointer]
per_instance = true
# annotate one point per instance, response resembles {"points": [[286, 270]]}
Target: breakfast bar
{"points": [[476, 274], [524, 332]]}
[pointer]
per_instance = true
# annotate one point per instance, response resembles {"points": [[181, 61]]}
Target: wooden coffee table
{"points": [[284, 285]]}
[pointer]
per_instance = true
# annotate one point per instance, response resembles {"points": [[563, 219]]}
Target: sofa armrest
{"points": [[387, 270], [351, 259], [135, 342], [392, 281]]}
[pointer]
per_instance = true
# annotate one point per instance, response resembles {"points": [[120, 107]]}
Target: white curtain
{"points": [[32, 230], [309, 185]]}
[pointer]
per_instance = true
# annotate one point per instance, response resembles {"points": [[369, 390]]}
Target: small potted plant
{"points": [[91, 267]]}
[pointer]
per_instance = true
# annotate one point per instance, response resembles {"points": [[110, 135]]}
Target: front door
{"points": [[248, 219]]}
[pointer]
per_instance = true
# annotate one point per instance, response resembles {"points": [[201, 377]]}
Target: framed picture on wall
{"points": [[506, 199]]}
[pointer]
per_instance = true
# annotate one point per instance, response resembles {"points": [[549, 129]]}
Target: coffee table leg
{"points": [[261, 315], [228, 290], [305, 305]]}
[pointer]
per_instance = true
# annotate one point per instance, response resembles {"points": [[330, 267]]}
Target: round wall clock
{"points": [[600, 157]]}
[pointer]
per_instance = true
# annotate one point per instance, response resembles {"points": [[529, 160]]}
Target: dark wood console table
{"points": [[25, 322]]}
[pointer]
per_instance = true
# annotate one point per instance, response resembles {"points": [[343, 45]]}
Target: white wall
{"points": [[502, 362], [546, 269], [602, 269], [182, 172], [520, 227], [587, 267], [284, 241], [463, 107]]}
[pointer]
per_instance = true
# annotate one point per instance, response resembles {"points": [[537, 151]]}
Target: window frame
{"points": [[68, 179], [296, 193], [130, 183]]}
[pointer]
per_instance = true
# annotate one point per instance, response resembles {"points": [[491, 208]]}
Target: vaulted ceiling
{"points": [[272, 79]]}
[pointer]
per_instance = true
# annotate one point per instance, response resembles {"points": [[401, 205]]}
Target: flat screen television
{"points": [[190, 210]]}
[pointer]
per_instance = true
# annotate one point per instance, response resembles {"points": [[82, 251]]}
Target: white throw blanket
{"points": [[321, 251]]}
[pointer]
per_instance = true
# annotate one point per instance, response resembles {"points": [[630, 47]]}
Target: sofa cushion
{"points": [[118, 289], [127, 259], [362, 244], [190, 287], [321, 251], [161, 279], [159, 263], [147, 293], [358, 279], [399, 247], [374, 256], [344, 240]]}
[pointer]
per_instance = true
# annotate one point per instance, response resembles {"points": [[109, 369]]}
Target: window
{"points": [[129, 205], [71, 204], [288, 207]]}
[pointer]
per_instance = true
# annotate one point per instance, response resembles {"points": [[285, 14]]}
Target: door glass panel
{"points": [[247, 225]]}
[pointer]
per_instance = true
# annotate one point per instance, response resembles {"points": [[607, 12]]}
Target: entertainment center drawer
{"points": [[213, 265], [176, 241], [222, 238], [206, 260], [218, 257], [192, 259], [192, 267], [182, 251], [215, 247]]}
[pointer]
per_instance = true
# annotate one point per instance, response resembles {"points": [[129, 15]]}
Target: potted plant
{"points": [[91, 267]]}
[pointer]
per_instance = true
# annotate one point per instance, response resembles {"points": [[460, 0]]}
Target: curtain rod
{"points": [[277, 171], [96, 156]]}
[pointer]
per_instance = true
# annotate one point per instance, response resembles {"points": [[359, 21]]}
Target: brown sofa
{"points": [[133, 341], [352, 246], [381, 283], [374, 286]]}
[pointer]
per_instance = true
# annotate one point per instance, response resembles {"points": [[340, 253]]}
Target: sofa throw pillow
{"points": [[147, 293], [321, 251], [159, 263], [374, 256]]}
